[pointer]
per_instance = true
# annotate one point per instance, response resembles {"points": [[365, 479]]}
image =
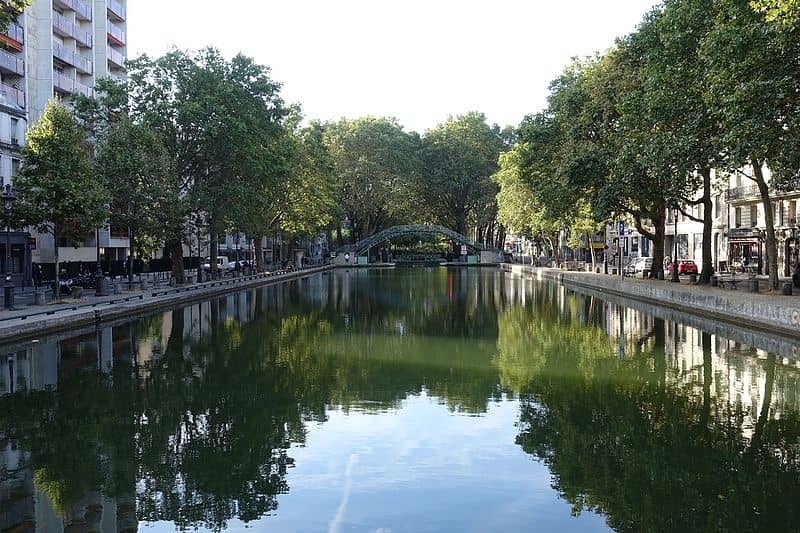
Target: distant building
{"points": [[55, 49]]}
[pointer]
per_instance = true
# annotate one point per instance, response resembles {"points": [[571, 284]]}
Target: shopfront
{"points": [[746, 250], [792, 256], [20, 258]]}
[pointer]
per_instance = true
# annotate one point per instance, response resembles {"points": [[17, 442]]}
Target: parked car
{"points": [[223, 265], [685, 266], [639, 267]]}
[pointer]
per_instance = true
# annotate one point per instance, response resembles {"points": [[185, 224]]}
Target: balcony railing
{"points": [[11, 63], [71, 58], [15, 32], [742, 193], [83, 11], [13, 95], [67, 28], [63, 83], [83, 89], [116, 9], [116, 58], [116, 34]]}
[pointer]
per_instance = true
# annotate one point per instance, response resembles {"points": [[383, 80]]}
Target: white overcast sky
{"points": [[416, 60]]}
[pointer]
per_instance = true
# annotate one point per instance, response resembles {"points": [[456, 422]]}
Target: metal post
{"points": [[675, 277], [8, 289], [99, 288]]}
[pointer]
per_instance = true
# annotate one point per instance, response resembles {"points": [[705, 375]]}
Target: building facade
{"points": [[58, 48]]}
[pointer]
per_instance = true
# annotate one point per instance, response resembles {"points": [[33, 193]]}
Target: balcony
{"points": [[13, 95], [83, 11], [83, 89], [63, 83], [12, 64], [742, 193], [64, 27], [14, 37], [116, 35], [71, 58], [116, 58], [116, 10]]}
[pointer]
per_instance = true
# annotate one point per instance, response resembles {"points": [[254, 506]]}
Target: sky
{"points": [[418, 61]]}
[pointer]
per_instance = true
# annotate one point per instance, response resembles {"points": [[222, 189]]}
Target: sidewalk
{"points": [[767, 311], [27, 320]]}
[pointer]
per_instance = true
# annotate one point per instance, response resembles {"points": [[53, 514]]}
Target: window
{"points": [[792, 213], [737, 213], [15, 163], [717, 207], [753, 216]]}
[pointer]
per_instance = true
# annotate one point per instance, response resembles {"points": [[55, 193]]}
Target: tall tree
{"points": [[374, 160], [58, 193], [754, 90], [135, 168], [459, 158]]}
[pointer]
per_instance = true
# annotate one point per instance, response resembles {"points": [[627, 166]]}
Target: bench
{"points": [[728, 281]]}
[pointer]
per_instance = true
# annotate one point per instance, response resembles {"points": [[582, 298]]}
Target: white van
{"points": [[223, 265]]}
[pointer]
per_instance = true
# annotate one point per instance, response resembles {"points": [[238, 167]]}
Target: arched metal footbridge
{"points": [[363, 246]]}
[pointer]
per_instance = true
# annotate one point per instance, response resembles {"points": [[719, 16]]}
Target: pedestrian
{"points": [[38, 276], [796, 276]]}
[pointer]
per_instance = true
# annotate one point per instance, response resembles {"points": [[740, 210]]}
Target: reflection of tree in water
{"points": [[621, 438], [200, 436]]}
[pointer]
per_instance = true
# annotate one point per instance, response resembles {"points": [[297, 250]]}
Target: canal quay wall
{"points": [[54, 318], [766, 312]]}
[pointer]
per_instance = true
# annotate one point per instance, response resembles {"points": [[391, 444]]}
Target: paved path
{"points": [[765, 310], [27, 320]]}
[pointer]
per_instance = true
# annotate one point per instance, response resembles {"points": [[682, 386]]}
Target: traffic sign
{"points": [[622, 227]]}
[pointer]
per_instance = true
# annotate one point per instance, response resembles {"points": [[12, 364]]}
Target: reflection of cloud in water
{"points": [[348, 485]]}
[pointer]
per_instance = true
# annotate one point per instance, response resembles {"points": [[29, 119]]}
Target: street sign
{"points": [[463, 249], [622, 227], [32, 243]]}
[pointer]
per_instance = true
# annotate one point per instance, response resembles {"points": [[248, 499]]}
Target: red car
{"points": [[685, 266]]}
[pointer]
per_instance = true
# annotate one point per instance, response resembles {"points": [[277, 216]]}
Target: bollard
{"points": [[38, 297], [692, 278], [714, 281], [753, 285], [787, 289]]}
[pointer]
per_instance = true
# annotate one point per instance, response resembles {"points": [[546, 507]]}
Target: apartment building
{"points": [[55, 49]]}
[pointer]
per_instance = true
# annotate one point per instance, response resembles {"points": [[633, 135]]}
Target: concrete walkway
{"points": [[27, 319], [767, 311]]}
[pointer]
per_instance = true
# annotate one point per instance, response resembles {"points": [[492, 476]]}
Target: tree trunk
{"points": [[708, 221], [339, 240], [214, 252], [56, 286], [177, 259], [591, 250], [130, 258], [658, 245], [257, 241], [772, 246]]}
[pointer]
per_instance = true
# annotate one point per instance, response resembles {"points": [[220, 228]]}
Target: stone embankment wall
{"points": [[771, 312]]}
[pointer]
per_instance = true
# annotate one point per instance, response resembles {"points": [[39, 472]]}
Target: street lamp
{"points": [[675, 277], [99, 284], [8, 205]]}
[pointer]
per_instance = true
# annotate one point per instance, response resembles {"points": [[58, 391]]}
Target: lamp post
{"points": [[675, 277], [8, 205], [99, 284]]}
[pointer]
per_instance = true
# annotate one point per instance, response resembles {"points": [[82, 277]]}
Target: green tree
{"points": [[134, 166], [58, 193], [753, 89], [459, 157], [11, 9], [374, 160]]}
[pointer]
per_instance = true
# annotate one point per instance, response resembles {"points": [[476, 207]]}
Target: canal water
{"points": [[402, 400]]}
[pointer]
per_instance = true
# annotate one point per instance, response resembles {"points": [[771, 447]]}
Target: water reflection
{"points": [[189, 416]]}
